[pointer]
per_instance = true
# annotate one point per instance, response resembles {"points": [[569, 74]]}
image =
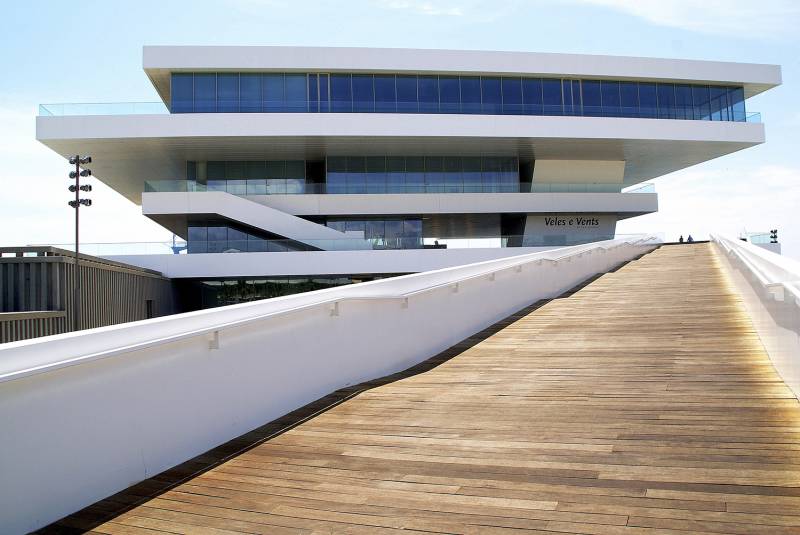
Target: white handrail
{"points": [[770, 288]]}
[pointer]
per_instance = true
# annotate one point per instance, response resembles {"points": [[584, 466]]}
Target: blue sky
{"points": [[90, 51]]}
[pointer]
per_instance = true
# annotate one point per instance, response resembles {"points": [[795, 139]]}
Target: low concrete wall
{"points": [[87, 414], [769, 285]]}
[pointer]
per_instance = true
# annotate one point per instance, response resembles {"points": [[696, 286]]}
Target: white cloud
{"points": [[741, 18], [425, 8], [726, 201]]}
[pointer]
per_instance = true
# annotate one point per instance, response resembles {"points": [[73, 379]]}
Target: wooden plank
{"points": [[642, 402]]}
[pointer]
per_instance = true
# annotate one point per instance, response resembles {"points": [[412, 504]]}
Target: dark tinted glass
{"points": [[666, 101], [313, 92], [492, 96], [551, 97], [470, 94], [228, 93], [363, 93], [592, 102], [736, 101], [718, 103], [512, 96], [532, 96], [385, 94], [296, 93], [449, 94], [610, 96], [272, 92], [341, 93], [205, 93], [629, 97], [250, 92], [683, 102], [407, 94], [428, 90], [700, 100], [648, 101], [182, 93]]}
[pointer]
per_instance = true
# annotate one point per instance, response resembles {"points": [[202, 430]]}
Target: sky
{"points": [[90, 51]]}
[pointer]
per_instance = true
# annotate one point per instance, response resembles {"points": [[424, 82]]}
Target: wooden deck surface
{"points": [[641, 403]]}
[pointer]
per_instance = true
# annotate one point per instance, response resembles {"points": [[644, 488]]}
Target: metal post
{"points": [[76, 297]]}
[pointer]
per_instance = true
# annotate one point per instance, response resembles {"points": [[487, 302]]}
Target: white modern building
{"points": [[293, 168]]}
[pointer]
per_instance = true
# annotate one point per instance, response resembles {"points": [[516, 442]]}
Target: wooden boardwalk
{"points": [[641, 403]]}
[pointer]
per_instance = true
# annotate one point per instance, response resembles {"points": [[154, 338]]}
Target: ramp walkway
{"points": [[642, 402]]}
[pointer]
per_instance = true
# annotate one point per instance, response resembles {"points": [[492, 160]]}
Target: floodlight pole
{"points": [[76, 296]]}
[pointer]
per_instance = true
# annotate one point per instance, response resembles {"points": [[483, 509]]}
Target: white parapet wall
{"points": [[769, 285], [87, 414]]}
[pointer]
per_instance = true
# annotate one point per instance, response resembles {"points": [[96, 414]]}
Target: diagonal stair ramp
{"points": [[252, 214]]}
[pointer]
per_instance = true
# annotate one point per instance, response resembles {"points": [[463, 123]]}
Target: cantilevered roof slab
{"points": [[160, 61], [129, 149]]}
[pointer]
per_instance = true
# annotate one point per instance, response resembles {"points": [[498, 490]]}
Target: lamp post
{"points": [[76, 188]]}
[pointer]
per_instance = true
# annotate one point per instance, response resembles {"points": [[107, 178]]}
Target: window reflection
{"points": [[490, 95]]}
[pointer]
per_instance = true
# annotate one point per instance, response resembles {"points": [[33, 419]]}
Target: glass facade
{"points": [[421, 174], [487, 95], [199, 294], [391, 233], [250, 177], [218, 237]]}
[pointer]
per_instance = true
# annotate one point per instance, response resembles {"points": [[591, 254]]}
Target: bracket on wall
{"points": [[334, 311], [455, 288], [404, 303], [213, 340], [518, 268]]}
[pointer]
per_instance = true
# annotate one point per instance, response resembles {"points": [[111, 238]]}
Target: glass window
{"points": [[509, 175], [491, 174], [295, 91], [512, 96], [532, 96], [394, 230], [341, 93], [356, 174], [276, 169], [376, 174], [217, 239], [215, 170], [472, 174], [648, 102], [610, 96], [205, 93], [385, 94], [700, 99], [428, 91], [198, 233], [235, 170], [577, 106], [237, 240], [683, 102], [453, 182], [249, 92], [407, 101], [228, 93], [629, 97], [337, 225], [182, 93], [336, 174], [295, 169], [324, 93], [395, 174], [356, 226], [470, 94], [272, 92], [434, 179], [449, 94], [718, 103], [415, 174], [666, 101], [374, 230], [313, 92], [592, 102], [492, 96], [551, 97], [254, 170], [363, 93], [736, 100]]}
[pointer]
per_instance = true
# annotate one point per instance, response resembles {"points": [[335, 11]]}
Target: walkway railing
{"points": [[770, 288], [112, 406]]}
